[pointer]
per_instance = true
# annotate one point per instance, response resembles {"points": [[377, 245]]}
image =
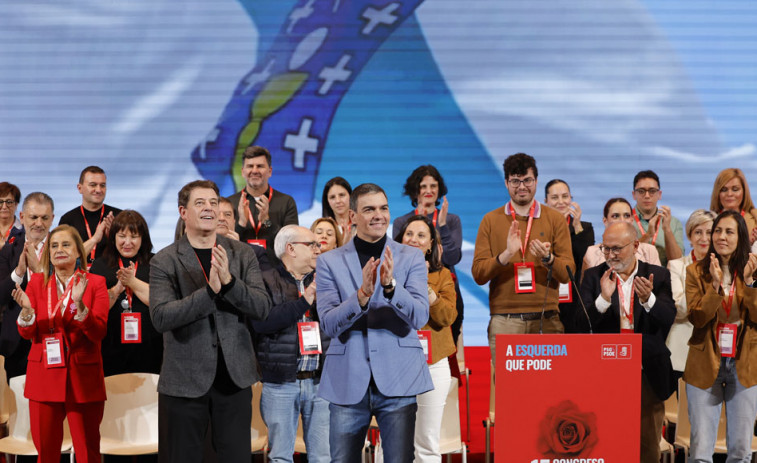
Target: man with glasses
{"points": [[522, 250], [372, 297], [203, 289], [656, 225], [290, 347], [627, 295]]}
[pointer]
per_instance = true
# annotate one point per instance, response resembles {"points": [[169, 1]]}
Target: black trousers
{"points": [[183, 423]]}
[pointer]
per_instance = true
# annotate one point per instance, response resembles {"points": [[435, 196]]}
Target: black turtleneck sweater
{"points": [[366, 250]]}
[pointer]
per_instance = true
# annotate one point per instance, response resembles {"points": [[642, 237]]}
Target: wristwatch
{"points": [[267, 223], [390, 286]]}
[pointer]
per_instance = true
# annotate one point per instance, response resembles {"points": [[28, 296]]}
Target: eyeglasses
{"points": [[607, 250], [644, 192], [312, 244], [7, 202], [516, 182]]}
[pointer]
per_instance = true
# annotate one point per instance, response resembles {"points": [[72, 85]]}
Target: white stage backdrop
{"points": [[158, 92]]}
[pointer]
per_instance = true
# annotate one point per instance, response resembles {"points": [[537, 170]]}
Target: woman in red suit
{"points": [[64, 314]]}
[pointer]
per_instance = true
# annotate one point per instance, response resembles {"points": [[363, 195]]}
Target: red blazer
{"points": [[84, 363]]}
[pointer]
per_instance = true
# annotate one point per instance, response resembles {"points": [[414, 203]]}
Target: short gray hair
{"points": [[286, 235], [697, 218], [38, 197]]}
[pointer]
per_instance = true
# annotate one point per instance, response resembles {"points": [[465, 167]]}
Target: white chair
{"points": [[259, 431], [450, 440], [5, 394], [130, 419], [464, 372], [19, 439]]}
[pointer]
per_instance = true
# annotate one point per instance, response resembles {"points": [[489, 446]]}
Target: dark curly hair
{"points": [[518, 164], [413, 183]]}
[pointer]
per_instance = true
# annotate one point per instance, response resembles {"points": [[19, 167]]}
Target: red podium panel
{"points": [[567, 398]]}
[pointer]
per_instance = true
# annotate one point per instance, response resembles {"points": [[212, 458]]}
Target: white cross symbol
{"points": [[300, 13], [211, 138], [376, 17], [301, 143], [257, 77], [333, 74]]}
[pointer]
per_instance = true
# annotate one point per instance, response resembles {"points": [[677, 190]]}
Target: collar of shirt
{"points": [[537, 209], [643, 220]]}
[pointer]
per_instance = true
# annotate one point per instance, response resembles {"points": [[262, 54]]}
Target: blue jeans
{"points": [[396, 421], [704, 414], [281, 406]]}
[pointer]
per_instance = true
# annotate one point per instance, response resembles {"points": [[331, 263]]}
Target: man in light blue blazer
{"points": [[372, 296]]}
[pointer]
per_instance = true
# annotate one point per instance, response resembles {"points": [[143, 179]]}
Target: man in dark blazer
{"points": [[628, 295], [260, 210], [203, 289], [18, 259]]}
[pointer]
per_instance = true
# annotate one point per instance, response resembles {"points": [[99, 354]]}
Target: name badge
{"points": [[257, 243], [626, 331], [310, 338], [727, 339], [54, 351], [524, 277], [131, 328], [424, 336], [565, 293]]}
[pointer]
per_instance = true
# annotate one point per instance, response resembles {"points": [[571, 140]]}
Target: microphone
{"points": [[578, 293]]}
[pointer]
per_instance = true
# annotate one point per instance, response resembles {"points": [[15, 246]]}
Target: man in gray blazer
{"points": [[203, 289]]}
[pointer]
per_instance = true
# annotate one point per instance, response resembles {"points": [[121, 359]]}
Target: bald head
{"points": [[619, 244], [624, 230]]}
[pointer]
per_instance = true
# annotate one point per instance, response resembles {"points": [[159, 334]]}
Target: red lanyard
{"points": [[7, 234], [629, 311], [51, 313], [129, 292], [528, 228], [249, 212], [89, 232], [656, 230], [693, 257], [727, 305], [436, 213], [203, 268]]}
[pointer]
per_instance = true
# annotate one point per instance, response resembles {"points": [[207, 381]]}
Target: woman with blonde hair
{"points": [[698, 229], [327, 233], [731, 193], [64, 313]]}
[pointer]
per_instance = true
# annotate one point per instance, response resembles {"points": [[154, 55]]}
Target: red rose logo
{"points": [[566, 431], [12, 240]]}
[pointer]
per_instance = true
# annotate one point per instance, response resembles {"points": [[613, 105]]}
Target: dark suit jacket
{"points": [[282, 210], [653, 326], [11, 343], [193, 323]]}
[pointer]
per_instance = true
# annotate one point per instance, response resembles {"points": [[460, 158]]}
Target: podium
{"points": [[567, 398]]}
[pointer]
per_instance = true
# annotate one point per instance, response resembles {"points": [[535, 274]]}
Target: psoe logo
{"points": [[609, 351]]}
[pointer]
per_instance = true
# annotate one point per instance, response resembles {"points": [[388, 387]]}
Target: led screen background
{"points": [[157, 93]]}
